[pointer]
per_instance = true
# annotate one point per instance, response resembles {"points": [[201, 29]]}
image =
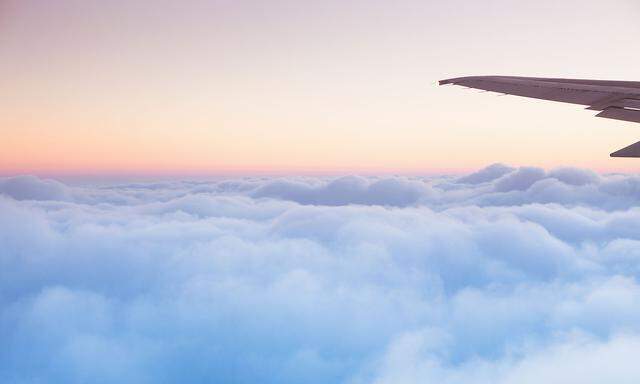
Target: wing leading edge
{"points": [[619, 100]]}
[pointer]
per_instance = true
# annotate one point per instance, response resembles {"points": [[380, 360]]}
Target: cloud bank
{"points": [[507, 275]]}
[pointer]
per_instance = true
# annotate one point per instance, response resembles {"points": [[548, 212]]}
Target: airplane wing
{"points": [[618, 100]]}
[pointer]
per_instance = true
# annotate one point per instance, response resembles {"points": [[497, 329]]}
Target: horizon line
{"points": [[273, 171]]}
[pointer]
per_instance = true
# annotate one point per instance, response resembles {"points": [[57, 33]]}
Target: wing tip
{"points": [[457, 80]]}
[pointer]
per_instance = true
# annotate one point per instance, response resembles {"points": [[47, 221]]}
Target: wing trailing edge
{"points": [[618, 100], [631, 151]]}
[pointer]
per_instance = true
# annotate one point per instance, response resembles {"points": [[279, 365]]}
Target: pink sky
{"points": [[205, 87]]}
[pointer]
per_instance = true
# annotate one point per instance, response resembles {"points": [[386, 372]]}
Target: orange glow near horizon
{"points": [[216, 87]]}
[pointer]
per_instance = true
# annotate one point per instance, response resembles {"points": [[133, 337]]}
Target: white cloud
{"points": [[33, 188], [572, 358], [506, 275]]}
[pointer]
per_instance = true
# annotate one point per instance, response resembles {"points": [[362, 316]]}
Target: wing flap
{"points": [[617, 113], [631, 151], [616, 101], [627, 103]]}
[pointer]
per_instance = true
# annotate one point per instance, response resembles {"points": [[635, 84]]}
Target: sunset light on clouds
{"points": [[299, 86], [253, 191]]}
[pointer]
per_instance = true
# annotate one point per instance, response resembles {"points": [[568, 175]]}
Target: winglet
{"points": [[632, 150], [462, 80]]}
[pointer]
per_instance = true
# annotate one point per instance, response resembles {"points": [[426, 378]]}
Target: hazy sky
{"points": [[303, 86]]}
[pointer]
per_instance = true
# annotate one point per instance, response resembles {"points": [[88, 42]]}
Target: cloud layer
{"points": [[506, 275]]}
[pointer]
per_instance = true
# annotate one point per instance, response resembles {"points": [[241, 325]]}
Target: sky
{"points": [[507, 275], [243, 191], [283, 87]]}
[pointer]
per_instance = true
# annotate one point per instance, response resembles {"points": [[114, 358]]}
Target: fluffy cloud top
{"points": [[507, 275]]}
